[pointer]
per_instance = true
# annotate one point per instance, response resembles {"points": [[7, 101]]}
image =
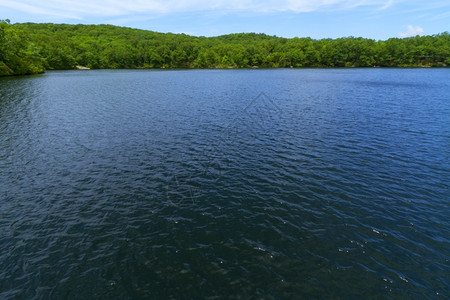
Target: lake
{"points": [[274, 184]]}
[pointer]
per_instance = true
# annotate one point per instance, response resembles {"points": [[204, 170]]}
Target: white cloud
{"points": [[388, 3], [113, 8], [411, 31], [32, 8]]}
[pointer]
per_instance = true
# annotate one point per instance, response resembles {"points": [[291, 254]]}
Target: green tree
{"points": [[17, 55]]}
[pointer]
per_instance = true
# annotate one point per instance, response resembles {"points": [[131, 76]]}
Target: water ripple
{"points": [[193, 184]]}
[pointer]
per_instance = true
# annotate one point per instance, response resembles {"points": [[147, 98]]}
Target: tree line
{"points": [[29, 48]]}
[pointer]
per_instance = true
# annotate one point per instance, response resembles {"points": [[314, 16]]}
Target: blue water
{"points": [[271, 184]]}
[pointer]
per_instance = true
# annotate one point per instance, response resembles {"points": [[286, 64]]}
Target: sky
{"points": [[375, 19]]}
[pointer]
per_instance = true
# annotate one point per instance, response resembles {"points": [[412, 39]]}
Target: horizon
{"points": [[225, 34], [322, 19]]}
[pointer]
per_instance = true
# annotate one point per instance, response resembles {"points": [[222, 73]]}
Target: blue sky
{"points": [[376, 19]]}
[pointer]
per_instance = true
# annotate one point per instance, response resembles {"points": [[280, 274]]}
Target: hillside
{"points": [[31, 48]]}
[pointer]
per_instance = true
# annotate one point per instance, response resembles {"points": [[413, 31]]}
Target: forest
{"points": [[29, 48]]}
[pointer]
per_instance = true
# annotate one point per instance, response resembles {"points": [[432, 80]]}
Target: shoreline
{"points": [[82, 68]]}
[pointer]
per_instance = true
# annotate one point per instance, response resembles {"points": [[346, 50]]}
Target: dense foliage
{"points": [[26, 48], [18, 56]]}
